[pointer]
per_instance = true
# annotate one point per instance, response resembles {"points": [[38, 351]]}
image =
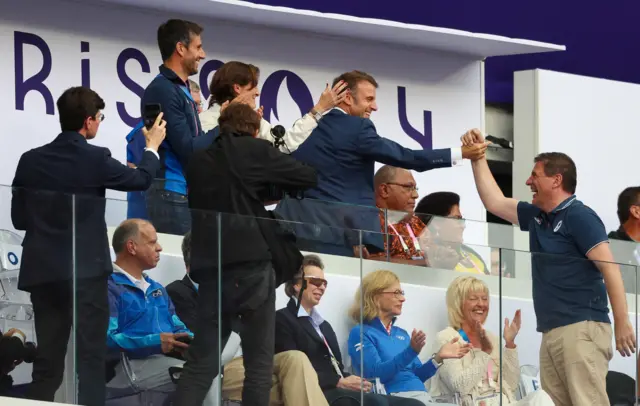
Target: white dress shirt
{"points": [[141, 283], [293, 137]]}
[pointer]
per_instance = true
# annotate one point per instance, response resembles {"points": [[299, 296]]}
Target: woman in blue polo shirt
{"points": [[389, 353]]}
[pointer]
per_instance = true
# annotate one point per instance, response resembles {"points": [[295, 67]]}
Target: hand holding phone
{"points": [[156, 133]]}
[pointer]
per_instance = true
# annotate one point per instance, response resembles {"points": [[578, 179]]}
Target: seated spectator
{"points": [[295, 382], [143, 323], [443, 244], [388, 352], [184, 293], [629, 215], [396, 194], [477, 375], [238, 82], [304, 329]]}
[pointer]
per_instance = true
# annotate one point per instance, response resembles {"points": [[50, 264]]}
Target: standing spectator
{"points": [[629, 215], [344, 149], [227, 186], [58, 199], [196, 93], [570, 256], [238, 82], [181, 50]]}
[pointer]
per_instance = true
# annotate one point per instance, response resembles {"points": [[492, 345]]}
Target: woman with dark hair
{"points": [[440, 211], [237, 82]]}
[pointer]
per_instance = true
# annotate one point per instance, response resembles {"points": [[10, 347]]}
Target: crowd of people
{"points": [[207, 175]]}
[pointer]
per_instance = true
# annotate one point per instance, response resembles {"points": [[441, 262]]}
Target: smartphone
{"points": [[185, 339], [150, 114]]}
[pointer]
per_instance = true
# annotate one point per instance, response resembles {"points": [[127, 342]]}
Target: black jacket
{"points": [[294, 333], [184, 296], [214, 188], [60, 186]]}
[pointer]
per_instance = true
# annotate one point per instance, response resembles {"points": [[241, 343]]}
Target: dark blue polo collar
{"points": [[72, 136], [566, 203], [172, 76]]}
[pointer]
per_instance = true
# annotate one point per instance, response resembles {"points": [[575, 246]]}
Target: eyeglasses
{"points": [[99, 118], [399, 294], [407, 186], [317, 282]]}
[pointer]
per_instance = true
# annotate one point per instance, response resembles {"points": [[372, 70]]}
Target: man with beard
{"points": [[181, 50]]}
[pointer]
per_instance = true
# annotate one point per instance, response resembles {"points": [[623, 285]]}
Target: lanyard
{"points": [[468, 258], [490, 381], [334, 361], [416, 244]]}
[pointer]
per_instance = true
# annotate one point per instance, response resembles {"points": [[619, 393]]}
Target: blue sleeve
{"points": [[383, 150], [585, 227], [137, 346], [178, 325], [374, 367], [526, 213], [180, 137], [426, 370]]}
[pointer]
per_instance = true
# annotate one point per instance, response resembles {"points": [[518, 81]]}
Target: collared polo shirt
{"points": [[567, 287]]}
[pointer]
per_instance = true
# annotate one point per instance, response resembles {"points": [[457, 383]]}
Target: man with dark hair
{"points": [[184, 292], [58, 199], [237, 82], [344, 149], [228, 184], [629, 215], [570, 256], [181, 50]]}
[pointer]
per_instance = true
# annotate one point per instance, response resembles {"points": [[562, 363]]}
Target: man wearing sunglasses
{"points": [[300, 327]]}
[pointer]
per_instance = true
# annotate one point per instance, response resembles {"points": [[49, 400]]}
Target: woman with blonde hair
{"points": [[480, 376], [389, 353]]}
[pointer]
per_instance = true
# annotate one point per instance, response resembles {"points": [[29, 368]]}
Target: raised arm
{"points": [[492, 197]]}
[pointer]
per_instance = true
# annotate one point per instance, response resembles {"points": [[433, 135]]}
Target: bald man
{"points": [[142, 322], [396, 193]]}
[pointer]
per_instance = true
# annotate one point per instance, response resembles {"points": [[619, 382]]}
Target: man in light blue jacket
{"points": [[143, 323]]}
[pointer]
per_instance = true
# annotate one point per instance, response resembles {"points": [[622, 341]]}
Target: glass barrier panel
{"points": [[566, 319]]}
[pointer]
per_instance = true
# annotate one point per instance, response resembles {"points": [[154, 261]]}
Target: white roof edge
{"points": [[281, 16]]}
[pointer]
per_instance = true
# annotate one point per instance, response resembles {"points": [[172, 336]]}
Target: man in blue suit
{"points": [[344, 149], [59, 201]]}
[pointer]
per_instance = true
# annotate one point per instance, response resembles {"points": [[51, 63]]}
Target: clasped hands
{"points": [[474, 146]]}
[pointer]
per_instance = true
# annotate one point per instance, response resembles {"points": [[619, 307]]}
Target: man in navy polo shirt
{"points": [[570, 256]]}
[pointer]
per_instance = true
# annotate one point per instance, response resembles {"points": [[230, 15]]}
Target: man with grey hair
{"points": [[142, 324], [194, 89], [396, 193]]}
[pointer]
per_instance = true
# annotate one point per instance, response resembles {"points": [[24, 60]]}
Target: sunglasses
{"points": [[315, 281]]}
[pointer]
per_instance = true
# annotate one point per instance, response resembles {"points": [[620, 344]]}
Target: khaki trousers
{"points": [[574, 361], [295, 382]]}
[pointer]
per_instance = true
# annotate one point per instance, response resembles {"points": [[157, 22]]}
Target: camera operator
{"points": [[228, 185]]}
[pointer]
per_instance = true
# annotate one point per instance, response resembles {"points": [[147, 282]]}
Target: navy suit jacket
{"points": [[344, 149], [59, 198]]}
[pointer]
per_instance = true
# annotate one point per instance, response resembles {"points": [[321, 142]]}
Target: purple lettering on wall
{"points": [[35, 82], [85, 65], [297, 88], [209, 66], [424, 139], [125, 55]]}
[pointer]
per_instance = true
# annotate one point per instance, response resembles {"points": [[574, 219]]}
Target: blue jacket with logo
{"points": [[388, 356], [137, 319], [184, 132]]}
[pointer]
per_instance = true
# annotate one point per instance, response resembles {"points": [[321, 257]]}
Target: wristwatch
{"points": [[435, 363], [316, 116]]}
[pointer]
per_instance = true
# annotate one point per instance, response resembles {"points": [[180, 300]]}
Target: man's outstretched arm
{"points": [[492, 197]]}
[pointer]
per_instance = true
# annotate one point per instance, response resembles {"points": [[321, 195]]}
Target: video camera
{"points": [[13, 349]]}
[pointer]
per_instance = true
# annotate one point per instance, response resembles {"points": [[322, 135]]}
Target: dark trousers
{"points": [[53, 305], [345, 397], [168, 211], [248, 307]]}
